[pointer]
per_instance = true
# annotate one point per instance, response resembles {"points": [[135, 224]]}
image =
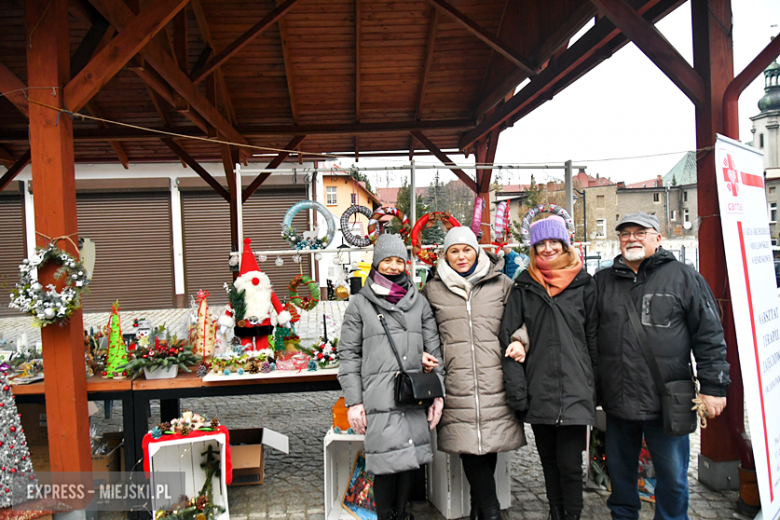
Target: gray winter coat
{"points": [[397, 438], [476, 419]]}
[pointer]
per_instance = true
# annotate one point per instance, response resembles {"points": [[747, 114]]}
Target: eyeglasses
{"points": [[639, 235]]}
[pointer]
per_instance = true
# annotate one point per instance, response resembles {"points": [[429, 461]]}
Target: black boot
{"points": [[572, 516], [389, 515], [556, 513], [475, 513], [491, 512]]}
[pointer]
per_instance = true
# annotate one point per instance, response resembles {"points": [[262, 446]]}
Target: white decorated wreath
{"points": [[47, 305]]}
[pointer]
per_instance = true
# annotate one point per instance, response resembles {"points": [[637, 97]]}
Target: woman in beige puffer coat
{"points": [[467, 296]]}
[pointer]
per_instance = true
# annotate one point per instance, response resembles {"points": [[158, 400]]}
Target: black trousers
{"points": [[391, 493], [480, 472], [560, 448]]}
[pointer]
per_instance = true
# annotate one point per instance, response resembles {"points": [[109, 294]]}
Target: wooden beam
{"points": [[13, 89], [358, 65], [226, 53], [468, 181], [115, 145], [427, 63], [591, 44], [117, 12], [53, 176], [14, 170], [279, 159], [229, 159], [204, 56], [88, 46], [192, 163], [6, 158], [651, 42], [260, 131], [481, 33], [289, 70], [131, 39], [180, 39]]}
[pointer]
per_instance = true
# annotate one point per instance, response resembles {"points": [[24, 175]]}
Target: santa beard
{"points": [[257, 297], [633, 253]]}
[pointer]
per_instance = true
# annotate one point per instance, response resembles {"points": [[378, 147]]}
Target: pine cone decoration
{"points": [[202, 502], [253, 368], [266, 367], [166, 426], [215, 423], [185, 430]]}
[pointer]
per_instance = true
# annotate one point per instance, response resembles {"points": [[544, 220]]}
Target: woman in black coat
{"points": [[553, 382]]}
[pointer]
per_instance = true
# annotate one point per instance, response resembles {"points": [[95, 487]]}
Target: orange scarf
{"points": [[554, 276]]}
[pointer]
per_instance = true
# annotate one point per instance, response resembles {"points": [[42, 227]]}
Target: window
{"points": [[673, 215], [771, 189], [656, 197], [772, 212], [354, 198], [686, 216], [601, 228], [617, 217], [685, 196], [600, 201], [330, 198], [760, 140], [774, 241]]}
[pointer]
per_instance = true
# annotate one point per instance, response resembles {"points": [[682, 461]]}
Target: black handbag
{"points": [[679, 415], [417, 389]]}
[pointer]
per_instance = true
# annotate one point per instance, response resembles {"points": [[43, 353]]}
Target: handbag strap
{"points": [[389, 336], [644, 344]]}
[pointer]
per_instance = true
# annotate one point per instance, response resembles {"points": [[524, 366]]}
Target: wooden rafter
{"points": [[585, 50], [6, 158], [13, 89], [89, 45], [651, 42], [117, 13], [260, 131], [14, 170], [131, 39], [358, 65], [468, 181], [426, 69], [274, 164], [481, 33], [491, 60], [226, 53], [197, 168], [115, 145], [164, 91], [289, 70], [179, 43]]}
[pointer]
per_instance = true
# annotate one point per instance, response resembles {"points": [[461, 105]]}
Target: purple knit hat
{"points": [[550, 228]]}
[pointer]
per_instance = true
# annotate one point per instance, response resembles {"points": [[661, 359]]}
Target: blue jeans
{"points": [[670, 456]]}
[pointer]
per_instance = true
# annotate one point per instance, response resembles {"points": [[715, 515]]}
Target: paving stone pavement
{"points": [[293, 487]]}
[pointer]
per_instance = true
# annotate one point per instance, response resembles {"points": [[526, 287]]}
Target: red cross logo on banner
{"points": [[731, 175]]}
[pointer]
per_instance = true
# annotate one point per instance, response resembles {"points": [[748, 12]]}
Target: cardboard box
{"points": [[246, 453]]}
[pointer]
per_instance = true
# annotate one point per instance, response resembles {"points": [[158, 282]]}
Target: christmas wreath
{"points": [[305, 304], [45, 304], [373, 223], [345, 227], [525, 225], [429, 256], [308, 239]]}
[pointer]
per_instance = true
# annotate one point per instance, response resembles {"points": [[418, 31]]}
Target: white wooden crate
{"points": [[449, 490], [184, 455], [340, 452]]}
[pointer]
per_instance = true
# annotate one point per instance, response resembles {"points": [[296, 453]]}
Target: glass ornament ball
{"points": [[262, 258], [279, 262]]}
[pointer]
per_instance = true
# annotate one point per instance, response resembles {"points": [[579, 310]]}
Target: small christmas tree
{"points": [[17, 470], [204, 333], [117, 351]]}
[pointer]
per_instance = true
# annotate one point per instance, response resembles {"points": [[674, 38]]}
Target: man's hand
{"points": [[516, 351], [715, 405], [356, 414], [429, 362]]}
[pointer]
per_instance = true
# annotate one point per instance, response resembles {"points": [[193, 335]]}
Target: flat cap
{"points": [[640, 218]]}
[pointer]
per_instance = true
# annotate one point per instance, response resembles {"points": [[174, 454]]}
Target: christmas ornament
{"points": [[346, 227], [279, 262], [305, 304], [525, 225], [47, 305], [428, 220], [373, 223], [308, 239], [324, 352], [203, 334], [262, 258], [342, 292]]}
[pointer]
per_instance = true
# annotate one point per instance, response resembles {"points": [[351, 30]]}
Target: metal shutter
{"points": [[12, 238], [206, 218], [134, 249]]}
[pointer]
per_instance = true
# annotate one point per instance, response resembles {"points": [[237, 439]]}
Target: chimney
{"points": [[621, 184], [660, 181]]}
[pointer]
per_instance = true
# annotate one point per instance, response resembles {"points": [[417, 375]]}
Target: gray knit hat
{"points": [[389, 245], [460, 235]]}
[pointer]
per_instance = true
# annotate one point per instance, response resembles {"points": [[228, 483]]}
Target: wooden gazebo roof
{"points": [[322, 76]]}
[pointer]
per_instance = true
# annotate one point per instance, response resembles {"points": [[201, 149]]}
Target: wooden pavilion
{"points": [[228, 80]]}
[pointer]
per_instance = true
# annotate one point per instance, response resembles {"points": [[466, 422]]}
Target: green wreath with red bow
{"points": [[307, 303]]}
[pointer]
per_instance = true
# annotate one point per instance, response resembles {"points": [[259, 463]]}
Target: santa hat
{"points": [[248, 262]]}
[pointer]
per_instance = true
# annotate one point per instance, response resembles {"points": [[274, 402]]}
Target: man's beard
{"points": [[634, 254]]}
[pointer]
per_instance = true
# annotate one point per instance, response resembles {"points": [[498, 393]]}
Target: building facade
{"points": [[766, 137]]}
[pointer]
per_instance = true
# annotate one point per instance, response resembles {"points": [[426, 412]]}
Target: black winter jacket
{"points": [[561, 363], [679, 315]]}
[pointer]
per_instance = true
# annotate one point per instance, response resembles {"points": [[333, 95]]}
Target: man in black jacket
{"points": [[679, 316]]}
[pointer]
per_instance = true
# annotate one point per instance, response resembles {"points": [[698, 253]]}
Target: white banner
{"points": [[751, 274]]}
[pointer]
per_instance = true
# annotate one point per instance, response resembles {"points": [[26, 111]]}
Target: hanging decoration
{"points": [[428, 220], [476, 217], [351, 238], [47, 305], [501, 225], [373, 223], [554, 209], [308, 239], [305, 304]]}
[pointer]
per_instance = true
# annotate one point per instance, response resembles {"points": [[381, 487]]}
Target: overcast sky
{"points": [[625, 107]]}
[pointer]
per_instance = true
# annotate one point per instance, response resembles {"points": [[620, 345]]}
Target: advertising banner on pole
{"points": [[751, 274]]}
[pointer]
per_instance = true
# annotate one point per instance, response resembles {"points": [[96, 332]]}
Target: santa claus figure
{"points": [[254, 327]]}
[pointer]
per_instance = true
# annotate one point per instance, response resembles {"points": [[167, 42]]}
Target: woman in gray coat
{"points": [[467, 295], [397, 439]]}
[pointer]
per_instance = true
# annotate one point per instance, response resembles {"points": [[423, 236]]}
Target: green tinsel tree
{"points": [[117, 351]]}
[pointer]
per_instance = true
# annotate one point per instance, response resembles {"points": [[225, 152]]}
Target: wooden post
{"points": [[54, 183]]}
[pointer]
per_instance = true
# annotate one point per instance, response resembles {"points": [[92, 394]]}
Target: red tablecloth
{"points": [[148, 439]]}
